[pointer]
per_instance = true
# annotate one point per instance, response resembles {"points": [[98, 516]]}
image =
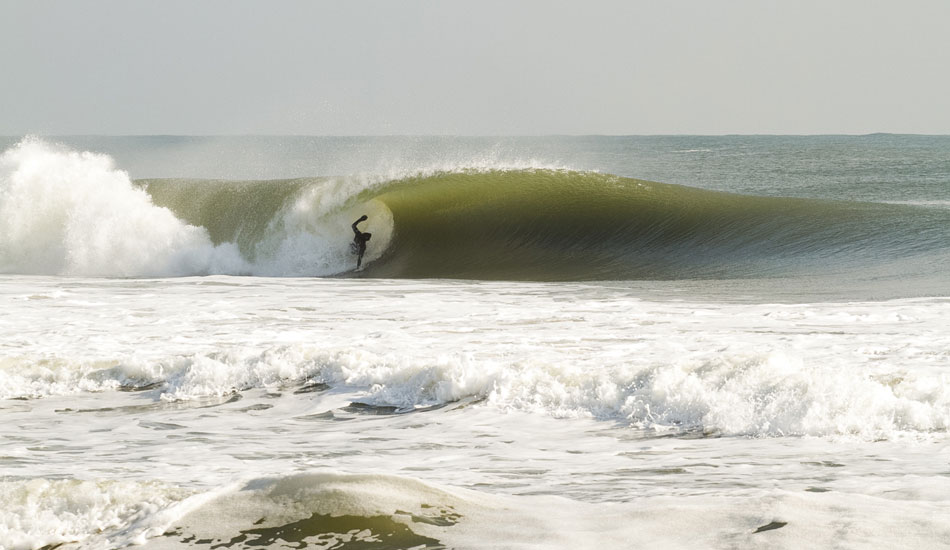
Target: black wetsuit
{"points": [[359, 242]]}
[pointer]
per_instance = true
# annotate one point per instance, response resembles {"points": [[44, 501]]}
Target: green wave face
{"points": [[231, 211], [557, 225], [543, 225]]}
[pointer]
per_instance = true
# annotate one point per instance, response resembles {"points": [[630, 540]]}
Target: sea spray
{"points": [[69, 213]]}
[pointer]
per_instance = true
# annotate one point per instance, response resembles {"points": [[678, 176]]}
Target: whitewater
{"points": [[681, 342]]}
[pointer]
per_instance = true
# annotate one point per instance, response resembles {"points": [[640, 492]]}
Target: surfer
{"points": [[358, 245]]}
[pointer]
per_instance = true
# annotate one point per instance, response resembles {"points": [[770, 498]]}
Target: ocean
{"points": [[554, 342]]}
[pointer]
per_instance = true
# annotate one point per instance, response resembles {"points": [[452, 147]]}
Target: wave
{"points": [[74, 213], [349, 511], [328, 509], [564, 225], [728, 394]]}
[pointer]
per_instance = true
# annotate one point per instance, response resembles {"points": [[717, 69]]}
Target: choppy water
{"points": [[755, 371]]}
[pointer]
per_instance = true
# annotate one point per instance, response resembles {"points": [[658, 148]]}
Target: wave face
{"points": [[64, 212], [564, 225], [541, 224]]}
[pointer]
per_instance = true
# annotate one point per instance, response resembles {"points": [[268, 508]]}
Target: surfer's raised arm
{"points": [[363, 218]]}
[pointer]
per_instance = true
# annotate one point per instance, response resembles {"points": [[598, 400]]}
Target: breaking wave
{"points": [[763, 395], [74, 213]]}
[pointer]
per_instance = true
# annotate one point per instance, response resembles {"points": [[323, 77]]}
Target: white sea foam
{"points": [[312, 236], [42, 512], [731, 394], [69, 213], [64, 212], [871, 370]]}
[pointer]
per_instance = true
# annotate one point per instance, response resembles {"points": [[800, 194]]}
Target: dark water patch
{"points": [[160, 425], [514, 473], [65, 449], [652, 471], [628, 433], [343, 532], [444, 517], [771, 526], [367, 409], [433, 446], [233, 398], [161, 405], [15, 461], [374, 410], [257, 407], [312, 388], [16, 407], [142, 387], [250, 457], [824, 464], [323, 416]]}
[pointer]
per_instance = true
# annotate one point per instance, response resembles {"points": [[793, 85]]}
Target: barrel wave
{"points": [[564, 225], [76, 214], [546, 225]]}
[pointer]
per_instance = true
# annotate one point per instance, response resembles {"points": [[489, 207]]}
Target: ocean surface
{"points": [[555, 342]]}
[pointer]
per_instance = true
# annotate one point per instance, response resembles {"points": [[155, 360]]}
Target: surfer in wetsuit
{"points": [[359, 241]]}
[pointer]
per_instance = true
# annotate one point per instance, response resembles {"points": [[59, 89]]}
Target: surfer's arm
{"points": [[355, 230]]}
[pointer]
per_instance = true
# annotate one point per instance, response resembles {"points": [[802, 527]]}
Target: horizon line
{"points": [[446, 135]]}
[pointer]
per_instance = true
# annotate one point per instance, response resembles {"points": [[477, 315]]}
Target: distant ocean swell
{"points": [[768, 394], [68, 213]]}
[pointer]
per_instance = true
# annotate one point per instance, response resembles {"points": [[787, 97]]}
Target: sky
{"points": [[485, 67]]}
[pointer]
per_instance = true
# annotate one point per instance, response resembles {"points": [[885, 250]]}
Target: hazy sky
{"points": [[474, 67]]}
